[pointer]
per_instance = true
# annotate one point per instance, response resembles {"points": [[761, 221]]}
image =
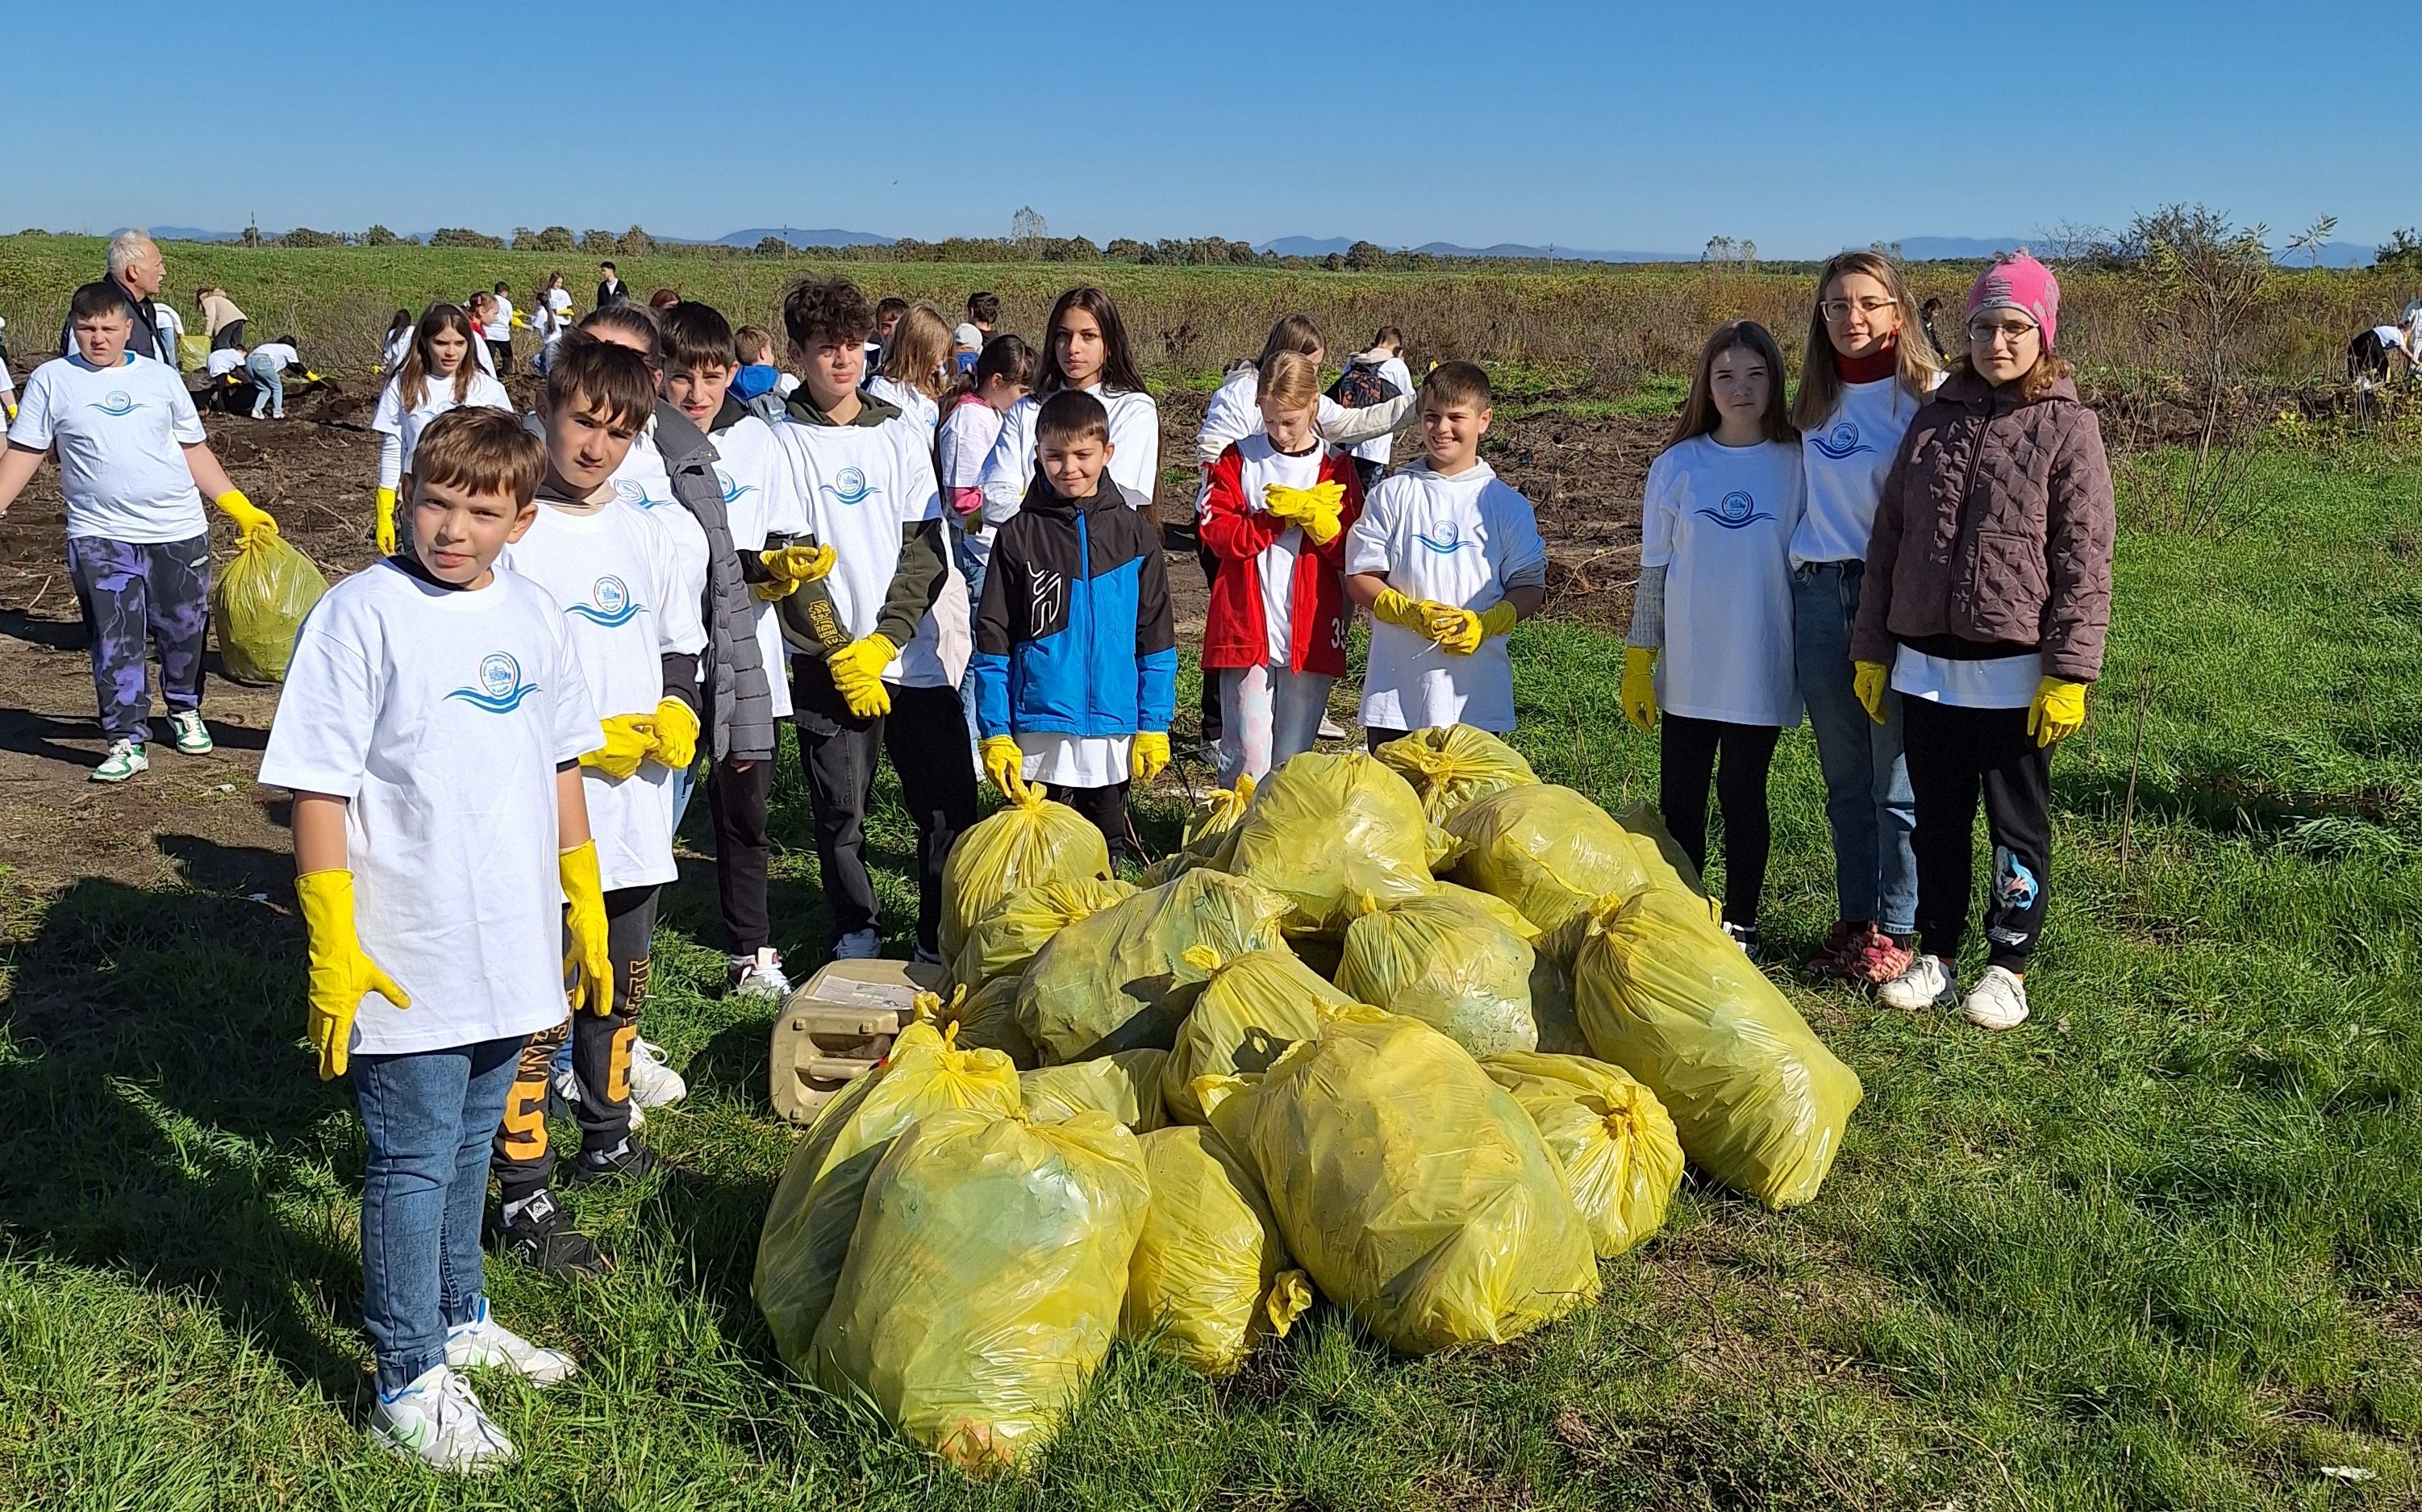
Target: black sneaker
{"points": [[629, 1159], [1745, 936], [541, 1235]]}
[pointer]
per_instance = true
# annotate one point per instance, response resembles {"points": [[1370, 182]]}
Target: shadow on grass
{"points": [[158, 1116]]}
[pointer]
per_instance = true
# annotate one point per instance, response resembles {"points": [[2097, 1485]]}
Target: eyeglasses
{"points": [[1839, 310], [1984, 332]]}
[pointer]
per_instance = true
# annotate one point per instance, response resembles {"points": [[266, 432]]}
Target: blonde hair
{"points": [[919, 346], [1290, 384], [1820, 367]]}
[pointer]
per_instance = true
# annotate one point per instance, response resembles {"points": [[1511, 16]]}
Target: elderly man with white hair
{"points": [[136, 271]]}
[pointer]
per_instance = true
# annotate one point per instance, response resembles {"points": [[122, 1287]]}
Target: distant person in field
{"points": [[171, 328], [888, 311], [915, 364], [967, 341], [137, 272], [135, 467], [610, 290], [481, 307], [1707, 664], [1987, 598], [1927, 314], [438, 373], [501, 320], [266, 366], [1861, 383], [397, 343], [222, 323], [224, 361], [552, 315], [1447, 558]]}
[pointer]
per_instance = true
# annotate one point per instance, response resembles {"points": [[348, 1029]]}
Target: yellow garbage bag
{"points": [[1439, 959], [258, 603], [1005, 940], [1326, 830], [1551, 1006], [1210, 1275], [1665, 994], [1257, 1006], [987, 1019], [1414, 1189], [1617, 1145], [985, 1285], [816, 1204], [1547, 850], [1448, 765], [1024, 845], [1505, 915], [1119, 980], [1660, 854], [1125, 1085]]}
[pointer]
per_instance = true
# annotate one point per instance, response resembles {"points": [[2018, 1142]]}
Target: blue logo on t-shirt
{"points": [[1735, 510], [850, 487], [610, 604], [637, 493], [1841, 441], [732, 492], [116, 401], [500, 689], [1448, 541]]}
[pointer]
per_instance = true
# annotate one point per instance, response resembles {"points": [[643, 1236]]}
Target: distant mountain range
{"points": [[749, 238]]}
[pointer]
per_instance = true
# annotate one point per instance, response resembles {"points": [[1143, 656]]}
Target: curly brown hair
{"points": [[822, 307]]}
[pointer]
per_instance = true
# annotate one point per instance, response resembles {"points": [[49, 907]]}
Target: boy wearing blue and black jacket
{"points": [[1076, 656]]}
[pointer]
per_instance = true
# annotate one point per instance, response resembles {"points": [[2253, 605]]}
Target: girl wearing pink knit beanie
{"points": [[1986, 601]]}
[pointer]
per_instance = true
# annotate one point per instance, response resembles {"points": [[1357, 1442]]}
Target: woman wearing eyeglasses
{"points": [[1860, 386], [1987, 598]]}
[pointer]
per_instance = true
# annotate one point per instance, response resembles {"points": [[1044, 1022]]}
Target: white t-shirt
{"points": [[924, 412], [1059, 760], [170, 325], [761, 497], [1262, 464], [863, 485], [1720, 519], [1995, 683], [1461, 540], [642, 480], [1845, 461], [2391, 337], [441, 714], [1134, 460], [280, 353], [965, 440], [121, 434], [436, 398], [1382, 447], [398, 347], [1236, 412], [501, 329], [624, 610], [559, 300], [224, 361]]}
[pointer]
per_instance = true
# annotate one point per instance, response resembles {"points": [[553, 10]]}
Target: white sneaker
{"points": [[125, 760], [437, 1421], [858, 945], [566, 1094], [653, 1085], [1999, 999], [1927, 984], [484, 1344], [1332, 730], [188, 732], [758, 976]]}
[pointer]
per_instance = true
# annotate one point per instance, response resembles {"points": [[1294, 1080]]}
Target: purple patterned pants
{"points": [[134, 593]]}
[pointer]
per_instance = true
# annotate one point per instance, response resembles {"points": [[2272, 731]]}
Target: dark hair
{"points": [[1933, 303], [1297, 333], [1118, 359], [1457, 383], [609, 266], [503, 288], [1699, 415], [1004, 357], [93, 300], [698, 336], [1387, 335], [586, 370], [635, 320], [483, 450], [1071, 414], [891, 304], [829, 306], [412, 379], [983, 308], [288, 339], [402, 322], [664, 299]]}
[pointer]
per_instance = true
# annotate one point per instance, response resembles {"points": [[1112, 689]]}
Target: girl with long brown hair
{"points": [[1085, 348], [440, 373]]}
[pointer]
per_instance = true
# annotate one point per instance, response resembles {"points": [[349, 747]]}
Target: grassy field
{"points": [[2161, 1247]]}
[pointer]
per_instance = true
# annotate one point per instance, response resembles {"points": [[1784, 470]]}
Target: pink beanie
{"points": [[2017, 281]]}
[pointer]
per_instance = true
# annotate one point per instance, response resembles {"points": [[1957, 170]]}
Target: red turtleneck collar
{"points": [[1882, 363]]}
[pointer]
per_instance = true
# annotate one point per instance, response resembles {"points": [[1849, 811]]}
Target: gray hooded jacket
{"points": [[739, 703]]}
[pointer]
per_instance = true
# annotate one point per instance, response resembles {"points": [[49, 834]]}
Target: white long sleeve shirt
{"points": [[1135, 457]]}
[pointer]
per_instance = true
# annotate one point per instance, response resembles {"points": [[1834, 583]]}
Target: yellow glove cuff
{"points": [[1638, 659], [1498, 618]]}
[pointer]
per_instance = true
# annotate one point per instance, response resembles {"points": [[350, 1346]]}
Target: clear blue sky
{"points": [[1805, 127]]}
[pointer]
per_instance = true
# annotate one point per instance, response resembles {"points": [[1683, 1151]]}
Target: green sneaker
{"points": [[186, 731], [125, 759]]}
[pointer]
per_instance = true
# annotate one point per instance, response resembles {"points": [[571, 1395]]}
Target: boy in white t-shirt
{"points": [[632, 626], [134, 467], [1447, 558], [431, 731]]}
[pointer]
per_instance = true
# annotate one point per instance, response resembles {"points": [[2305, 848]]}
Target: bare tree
{"points": [[1029, 230], [1719, 249], [2209, 276], [2313, 238]]}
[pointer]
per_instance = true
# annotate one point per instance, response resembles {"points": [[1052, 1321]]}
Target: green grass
{"points": [[2161, 1247]]}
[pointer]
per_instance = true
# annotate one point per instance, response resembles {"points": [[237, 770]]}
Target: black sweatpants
{"points": [[1214, 725], [925, 734], [601, 1056], [1107, 807], [737, 802], [1737, 756], [1953, 753], [1373, 739], [503, 353]]}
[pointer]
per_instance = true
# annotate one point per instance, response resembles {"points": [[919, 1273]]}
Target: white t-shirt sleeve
{"points": [[387, 417], [1007, 470], [1367, 542], [321, 739], [1657, 514], [921, 493], [577, 729], [680, 629], [487, 393], [33, 428], [1135, 432], [185, 421], [1522, 554]]}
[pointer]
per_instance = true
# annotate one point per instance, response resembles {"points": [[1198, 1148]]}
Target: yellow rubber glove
{"points": [[1640, 686], [384, 522], [248, 515], [1004, 761], [676, 734], [1412, 614], [792, 567], [1498, 618], [342, 975], [1457, 630], [587, 956], [1148, 757], [630, 739], [1870, 681], [1318, 510], [858, 673], [2058, 711]]}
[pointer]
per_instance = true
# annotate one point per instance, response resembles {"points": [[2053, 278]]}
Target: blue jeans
{"points": [[431, 1118], [685, 783], [1867, 799], [971, 567], [268, 384]]}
